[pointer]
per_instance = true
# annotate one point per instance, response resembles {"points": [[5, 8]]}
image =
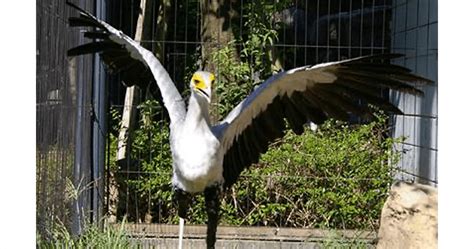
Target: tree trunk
{"points": [[162, 28], [143, 32], [216, 28]]}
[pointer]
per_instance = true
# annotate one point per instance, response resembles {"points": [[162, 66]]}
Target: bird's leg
{"points": [[181, 233], [183, 199], [211, 195]]}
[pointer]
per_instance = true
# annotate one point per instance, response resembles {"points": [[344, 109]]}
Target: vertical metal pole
{"points": [[81, 176], [78, 203], [98, 129]]}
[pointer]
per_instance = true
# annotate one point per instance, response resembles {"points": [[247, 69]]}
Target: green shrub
{"points": [[144, 185], [337, 176]]}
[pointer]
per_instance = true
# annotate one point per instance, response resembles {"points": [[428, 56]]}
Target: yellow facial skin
{"points": [[199, 81], [212, 78]]}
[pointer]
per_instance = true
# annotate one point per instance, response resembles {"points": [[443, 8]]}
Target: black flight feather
{"points": [[83, 22], [93, 47]]}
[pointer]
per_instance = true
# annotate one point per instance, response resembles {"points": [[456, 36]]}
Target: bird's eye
{"points": [[196, 82]]}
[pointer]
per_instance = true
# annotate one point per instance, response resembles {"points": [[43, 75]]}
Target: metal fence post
{"points": [[79, 174], [99, 129]]}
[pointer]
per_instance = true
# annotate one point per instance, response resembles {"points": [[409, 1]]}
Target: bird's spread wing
{"points": [[122, 54], [309, 93]]}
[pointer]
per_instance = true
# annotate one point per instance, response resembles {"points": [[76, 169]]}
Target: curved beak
{"points": [[203, 92]]}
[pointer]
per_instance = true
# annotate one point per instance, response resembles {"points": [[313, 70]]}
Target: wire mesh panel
{"points": [[415, 32], [63, 100], [307, 32]]}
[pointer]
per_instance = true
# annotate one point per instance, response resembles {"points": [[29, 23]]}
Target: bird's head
{"points": [[201, 84]]}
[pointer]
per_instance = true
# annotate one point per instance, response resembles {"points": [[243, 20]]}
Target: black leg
{"points": [[183, 199], [212, 195]]}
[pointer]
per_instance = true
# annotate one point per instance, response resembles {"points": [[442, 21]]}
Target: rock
{"points": [[409, 217]]}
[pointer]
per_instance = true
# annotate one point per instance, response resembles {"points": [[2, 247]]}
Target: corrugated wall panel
{"points": [[415, 31], [63, 98]]}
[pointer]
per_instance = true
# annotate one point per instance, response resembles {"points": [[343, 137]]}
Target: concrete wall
{"points": [[165, 236]]}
